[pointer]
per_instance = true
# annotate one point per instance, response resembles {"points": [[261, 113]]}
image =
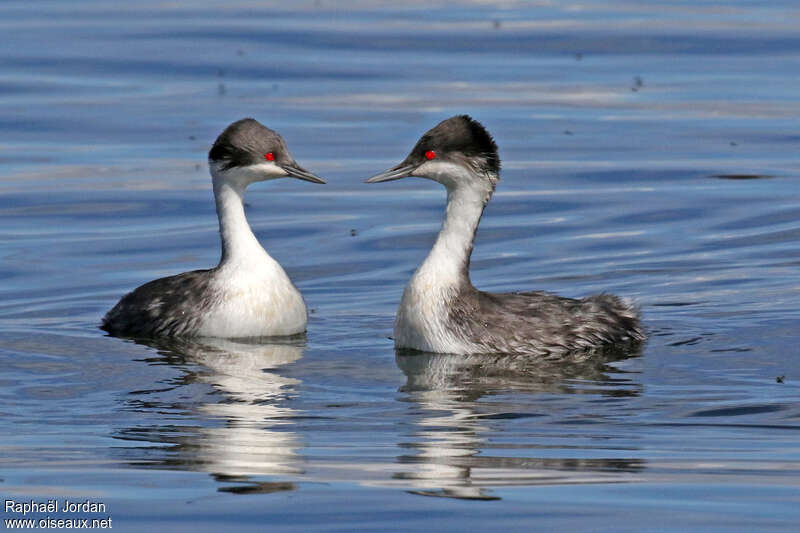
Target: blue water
{"points": [[649, 149]]}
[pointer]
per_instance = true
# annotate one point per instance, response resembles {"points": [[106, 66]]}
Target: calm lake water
{"points": [[649, 149]]}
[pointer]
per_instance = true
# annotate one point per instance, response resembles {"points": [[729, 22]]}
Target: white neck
{"points": [[238, 242], [447, 263]]}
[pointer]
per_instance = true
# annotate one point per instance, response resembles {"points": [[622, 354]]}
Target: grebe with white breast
{"points": [[248, 294], [441, 311]]}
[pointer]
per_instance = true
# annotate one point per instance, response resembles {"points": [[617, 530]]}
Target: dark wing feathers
{"points": [[169, 306], [542, 323]]}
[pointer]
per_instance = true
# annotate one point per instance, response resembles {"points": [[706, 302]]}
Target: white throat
{"points": [[253, 295], [239, 244], [422, 319], [447, 264]]}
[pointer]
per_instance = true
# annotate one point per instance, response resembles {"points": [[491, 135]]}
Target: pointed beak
{"points": [[296, 171], [395, 173]]}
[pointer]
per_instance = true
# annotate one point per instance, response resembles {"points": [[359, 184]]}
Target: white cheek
{"points": [[244, 175], [265, 170], [444, 172]]}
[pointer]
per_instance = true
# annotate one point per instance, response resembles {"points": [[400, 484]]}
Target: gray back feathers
{"points": [[171, 307], [543, 324]]}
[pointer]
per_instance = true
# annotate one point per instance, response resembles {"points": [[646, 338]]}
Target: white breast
{"points": [[254, 300], [423, 319]]}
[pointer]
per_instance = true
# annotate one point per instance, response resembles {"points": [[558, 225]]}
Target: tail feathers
{"points": [[621, 316]]}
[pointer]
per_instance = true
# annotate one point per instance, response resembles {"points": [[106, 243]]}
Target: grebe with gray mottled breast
{"points": [[441, 311], [248, 294]]}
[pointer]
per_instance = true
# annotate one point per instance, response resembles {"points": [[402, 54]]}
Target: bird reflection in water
{"points": [[451, 454], [248, 396]]}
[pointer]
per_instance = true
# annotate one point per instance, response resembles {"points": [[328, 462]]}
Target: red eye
{"points": [[269, 156], [430, 154]]}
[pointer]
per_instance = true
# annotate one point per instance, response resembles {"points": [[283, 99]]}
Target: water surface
{"points": [[648, 150]]}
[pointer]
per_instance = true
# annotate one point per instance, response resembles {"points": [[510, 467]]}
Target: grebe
{"points": [[441, 311], [248, 294]]}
